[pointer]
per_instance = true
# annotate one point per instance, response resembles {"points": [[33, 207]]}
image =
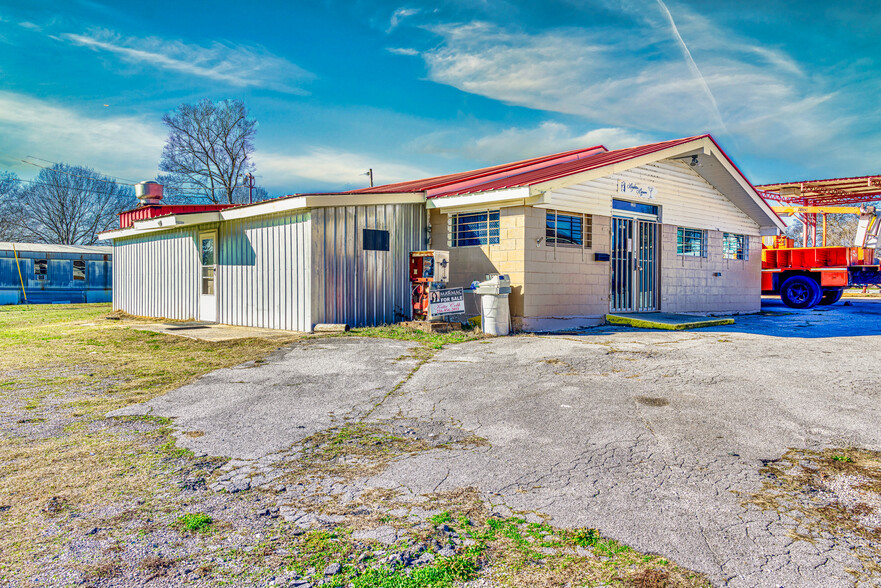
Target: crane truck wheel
{"points": [[800, 292], [831, 297]]}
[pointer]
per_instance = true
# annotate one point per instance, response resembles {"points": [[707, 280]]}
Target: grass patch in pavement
{"points": [[86, 366], [432, 340], [831, 493], [511, 552]]}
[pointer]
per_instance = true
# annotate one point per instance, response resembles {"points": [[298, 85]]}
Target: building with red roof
{"points": [[671, 226]]}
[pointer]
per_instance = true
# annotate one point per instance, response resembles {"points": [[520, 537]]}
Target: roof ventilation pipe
{"points": [[148, 193]]}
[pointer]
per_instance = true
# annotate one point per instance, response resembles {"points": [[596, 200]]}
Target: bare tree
{"points": [[208, 151], [841, 230], [9, 209], [70, 205]]}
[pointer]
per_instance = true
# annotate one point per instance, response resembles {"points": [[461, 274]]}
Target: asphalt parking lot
{"points": [[652, 437]]}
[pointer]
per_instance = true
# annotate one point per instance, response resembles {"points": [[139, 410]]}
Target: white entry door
{"points": [[208, 260]]}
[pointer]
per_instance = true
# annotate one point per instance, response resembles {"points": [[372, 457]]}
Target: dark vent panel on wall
{"points": [[375, 240]]}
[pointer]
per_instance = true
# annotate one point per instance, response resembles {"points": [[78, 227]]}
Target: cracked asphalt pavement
{"points": [[651, 437]]}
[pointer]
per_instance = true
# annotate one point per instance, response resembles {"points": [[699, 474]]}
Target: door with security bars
{"points": [[634, 268]]}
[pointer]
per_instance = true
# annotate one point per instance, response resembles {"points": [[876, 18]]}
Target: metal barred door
{"points": [[634, 269]]}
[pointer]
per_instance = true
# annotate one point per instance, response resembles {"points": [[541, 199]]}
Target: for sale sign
{"points": [[447, 301]]}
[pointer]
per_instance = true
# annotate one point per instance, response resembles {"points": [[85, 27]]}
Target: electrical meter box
{"points": [[430, 267]]}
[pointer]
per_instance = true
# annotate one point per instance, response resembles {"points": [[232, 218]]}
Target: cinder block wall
{"points": [[688, 284], [473, 263], [564, 281]]}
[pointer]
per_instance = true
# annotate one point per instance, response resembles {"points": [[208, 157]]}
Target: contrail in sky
{"points": [[692, 65]]}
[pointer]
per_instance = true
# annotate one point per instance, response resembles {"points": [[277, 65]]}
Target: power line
{"points": [[177, 194], [61, 171], [133, 182]]}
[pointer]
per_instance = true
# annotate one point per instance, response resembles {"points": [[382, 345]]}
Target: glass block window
{"points": [[568, 230], [474, 228], [691, 242], [735, 246]]}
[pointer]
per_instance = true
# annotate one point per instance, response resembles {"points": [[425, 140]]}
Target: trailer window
{"points": [[474, 228], [735, 246], [691, 242], [79, 269], [41, 267], [568, 230]]}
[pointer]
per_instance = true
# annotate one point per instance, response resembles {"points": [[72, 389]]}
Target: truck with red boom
{"points": [[815, 274]]}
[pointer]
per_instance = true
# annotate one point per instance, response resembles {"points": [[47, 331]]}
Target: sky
{"points": [[790, 90]]}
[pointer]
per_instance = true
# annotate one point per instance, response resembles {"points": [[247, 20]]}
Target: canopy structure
{"points": [[807, 199], [825, 192]]}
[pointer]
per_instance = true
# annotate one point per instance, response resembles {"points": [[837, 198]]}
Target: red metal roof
{"points": [[486, 173], [560, 170], [524, 173], [128, 218]]}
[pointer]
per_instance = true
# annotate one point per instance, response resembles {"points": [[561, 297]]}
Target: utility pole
{"points": [[370, 174], [250, 178]]}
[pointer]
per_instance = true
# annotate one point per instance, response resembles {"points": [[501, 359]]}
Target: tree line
{"points": [[207, 159]]}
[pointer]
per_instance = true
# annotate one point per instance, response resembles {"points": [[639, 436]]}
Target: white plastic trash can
{"points": [[495, 315]]}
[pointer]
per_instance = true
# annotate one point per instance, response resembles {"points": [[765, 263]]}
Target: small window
{"points": [[41, 267], [375, 240], [637, 207], [79, 269], [691, 242], [735, 246], [568, 230], [474, 228]]}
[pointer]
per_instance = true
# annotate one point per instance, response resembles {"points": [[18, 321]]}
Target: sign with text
{"points": [[447, 301], [638, 190]]}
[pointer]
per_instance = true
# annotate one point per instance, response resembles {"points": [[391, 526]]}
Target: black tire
{"points": [[800, 292], [831, 297]]}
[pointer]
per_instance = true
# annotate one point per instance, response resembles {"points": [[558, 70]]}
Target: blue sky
{"points": [[789, 89]]}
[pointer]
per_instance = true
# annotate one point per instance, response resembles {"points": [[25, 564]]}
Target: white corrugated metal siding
{"points": [[264, 272], [686, 198], [157, 274], [357, 287]]}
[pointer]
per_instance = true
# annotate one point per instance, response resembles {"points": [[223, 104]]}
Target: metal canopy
{"points": [[813, 197], [825, 192]]}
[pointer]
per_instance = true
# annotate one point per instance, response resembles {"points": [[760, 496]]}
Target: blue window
{"points": [[735, 246], [627, 206], [474, 228], [691, 242], [568, 230]]}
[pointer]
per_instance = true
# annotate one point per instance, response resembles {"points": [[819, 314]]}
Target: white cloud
{"points": [[233, 64], [335, 169], [118, 145], [517, 143], [638, 79], [403, 51], [399, 15]]}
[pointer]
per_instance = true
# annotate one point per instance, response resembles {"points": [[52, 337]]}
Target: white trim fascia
{"points": [[318, 200], [176, 220], [303, 202], [751, 192], [509, 196], [162, 223]]}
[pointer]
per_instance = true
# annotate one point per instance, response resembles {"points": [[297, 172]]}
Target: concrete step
{"points": [[665, 320]]}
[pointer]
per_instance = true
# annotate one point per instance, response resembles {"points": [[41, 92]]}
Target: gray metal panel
{"points": [[263, 274], [157, 274], [360, 287]]}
